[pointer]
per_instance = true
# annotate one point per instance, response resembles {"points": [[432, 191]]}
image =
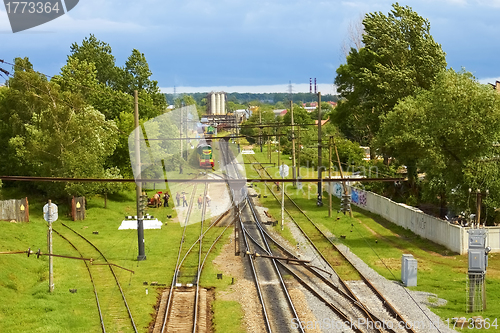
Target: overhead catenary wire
{"points": [[123, 98], [190, 180]]}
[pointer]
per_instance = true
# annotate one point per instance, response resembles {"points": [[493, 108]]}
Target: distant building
{"points": [[323, 122], [312, 104], [496, 86], [280, 112], [216, 103], [241, 115]]}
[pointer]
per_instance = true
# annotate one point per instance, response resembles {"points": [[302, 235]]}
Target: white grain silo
{"points": [[223, 103], [212, 103], [217, 103]]}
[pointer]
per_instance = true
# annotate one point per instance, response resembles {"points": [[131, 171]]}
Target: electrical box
{"points": [[477, 260], [410, 272], [477, 238], [404, 267]]}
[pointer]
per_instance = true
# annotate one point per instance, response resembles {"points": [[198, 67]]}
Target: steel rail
{"points": [[177, 266], [384, 301], [314, 270], [247, 247], [285, 289], [196, 298], [256, 278], [278, 273], [112, 272], [91, 279], [335, 309]]}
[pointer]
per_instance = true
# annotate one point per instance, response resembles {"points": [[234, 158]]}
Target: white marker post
{"points": [[283, 173], [50, 215]]}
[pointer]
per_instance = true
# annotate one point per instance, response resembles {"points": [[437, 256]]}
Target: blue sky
{"points": [[248, 46]]}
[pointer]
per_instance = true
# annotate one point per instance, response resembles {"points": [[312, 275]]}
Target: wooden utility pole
{"points": [[282, 198], [269, 144], [344, 187], [260, 129], [330, 177], [319, 202], [140, 222], [298, 157], [279, 143], [478, 203], [294, 173], [180, 129]]}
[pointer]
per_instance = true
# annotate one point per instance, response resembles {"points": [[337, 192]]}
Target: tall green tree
{"points": [[399, 57], [53, 132], [300, 116], [99, 53], [136, 75], [450, 132]]}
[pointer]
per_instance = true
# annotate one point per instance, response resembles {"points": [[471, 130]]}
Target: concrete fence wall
{"points": [[452, 236]]}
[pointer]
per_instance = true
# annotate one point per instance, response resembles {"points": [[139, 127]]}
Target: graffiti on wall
{"points": [[358, 197]]}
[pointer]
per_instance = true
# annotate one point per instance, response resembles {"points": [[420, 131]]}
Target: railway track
{"points": [[184, 308], [380, 311], [277, 307], [114, 312]]}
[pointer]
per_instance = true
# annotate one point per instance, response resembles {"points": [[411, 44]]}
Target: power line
{"points": [[191, 180]]}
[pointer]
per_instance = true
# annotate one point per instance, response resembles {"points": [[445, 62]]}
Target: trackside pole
{"points": [[140, 222], [51, 262], [282, 202]]}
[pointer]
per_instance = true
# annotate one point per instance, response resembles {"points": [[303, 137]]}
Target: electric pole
{"points": [[260, 129], [298, 156], [180, 129], [279, 143], [140, 222], [344, 187], [51, 262], [293, 144], [330, 176], [319, 202]]}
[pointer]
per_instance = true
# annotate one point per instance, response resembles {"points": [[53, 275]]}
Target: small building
{"points": [[280, 112], [323, 122], [496, 86]]}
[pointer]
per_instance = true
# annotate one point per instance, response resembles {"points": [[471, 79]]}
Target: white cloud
{"points": [[491, 80], [68, 23], [4, 22], [278, 88], [489, 3]]}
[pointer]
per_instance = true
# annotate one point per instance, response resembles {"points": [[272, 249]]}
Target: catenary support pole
{"points": [[319, 202], [49, 238], [294, 173], [260, 129], [330, 177], [282, 198], [140, 222], [344, 187]]}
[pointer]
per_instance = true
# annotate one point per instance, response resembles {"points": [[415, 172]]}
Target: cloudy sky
{"points": [[248, 46]]}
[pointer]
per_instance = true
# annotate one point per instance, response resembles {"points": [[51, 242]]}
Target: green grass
{"points": [[228, 316], [24, 281], [380, 244]]}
